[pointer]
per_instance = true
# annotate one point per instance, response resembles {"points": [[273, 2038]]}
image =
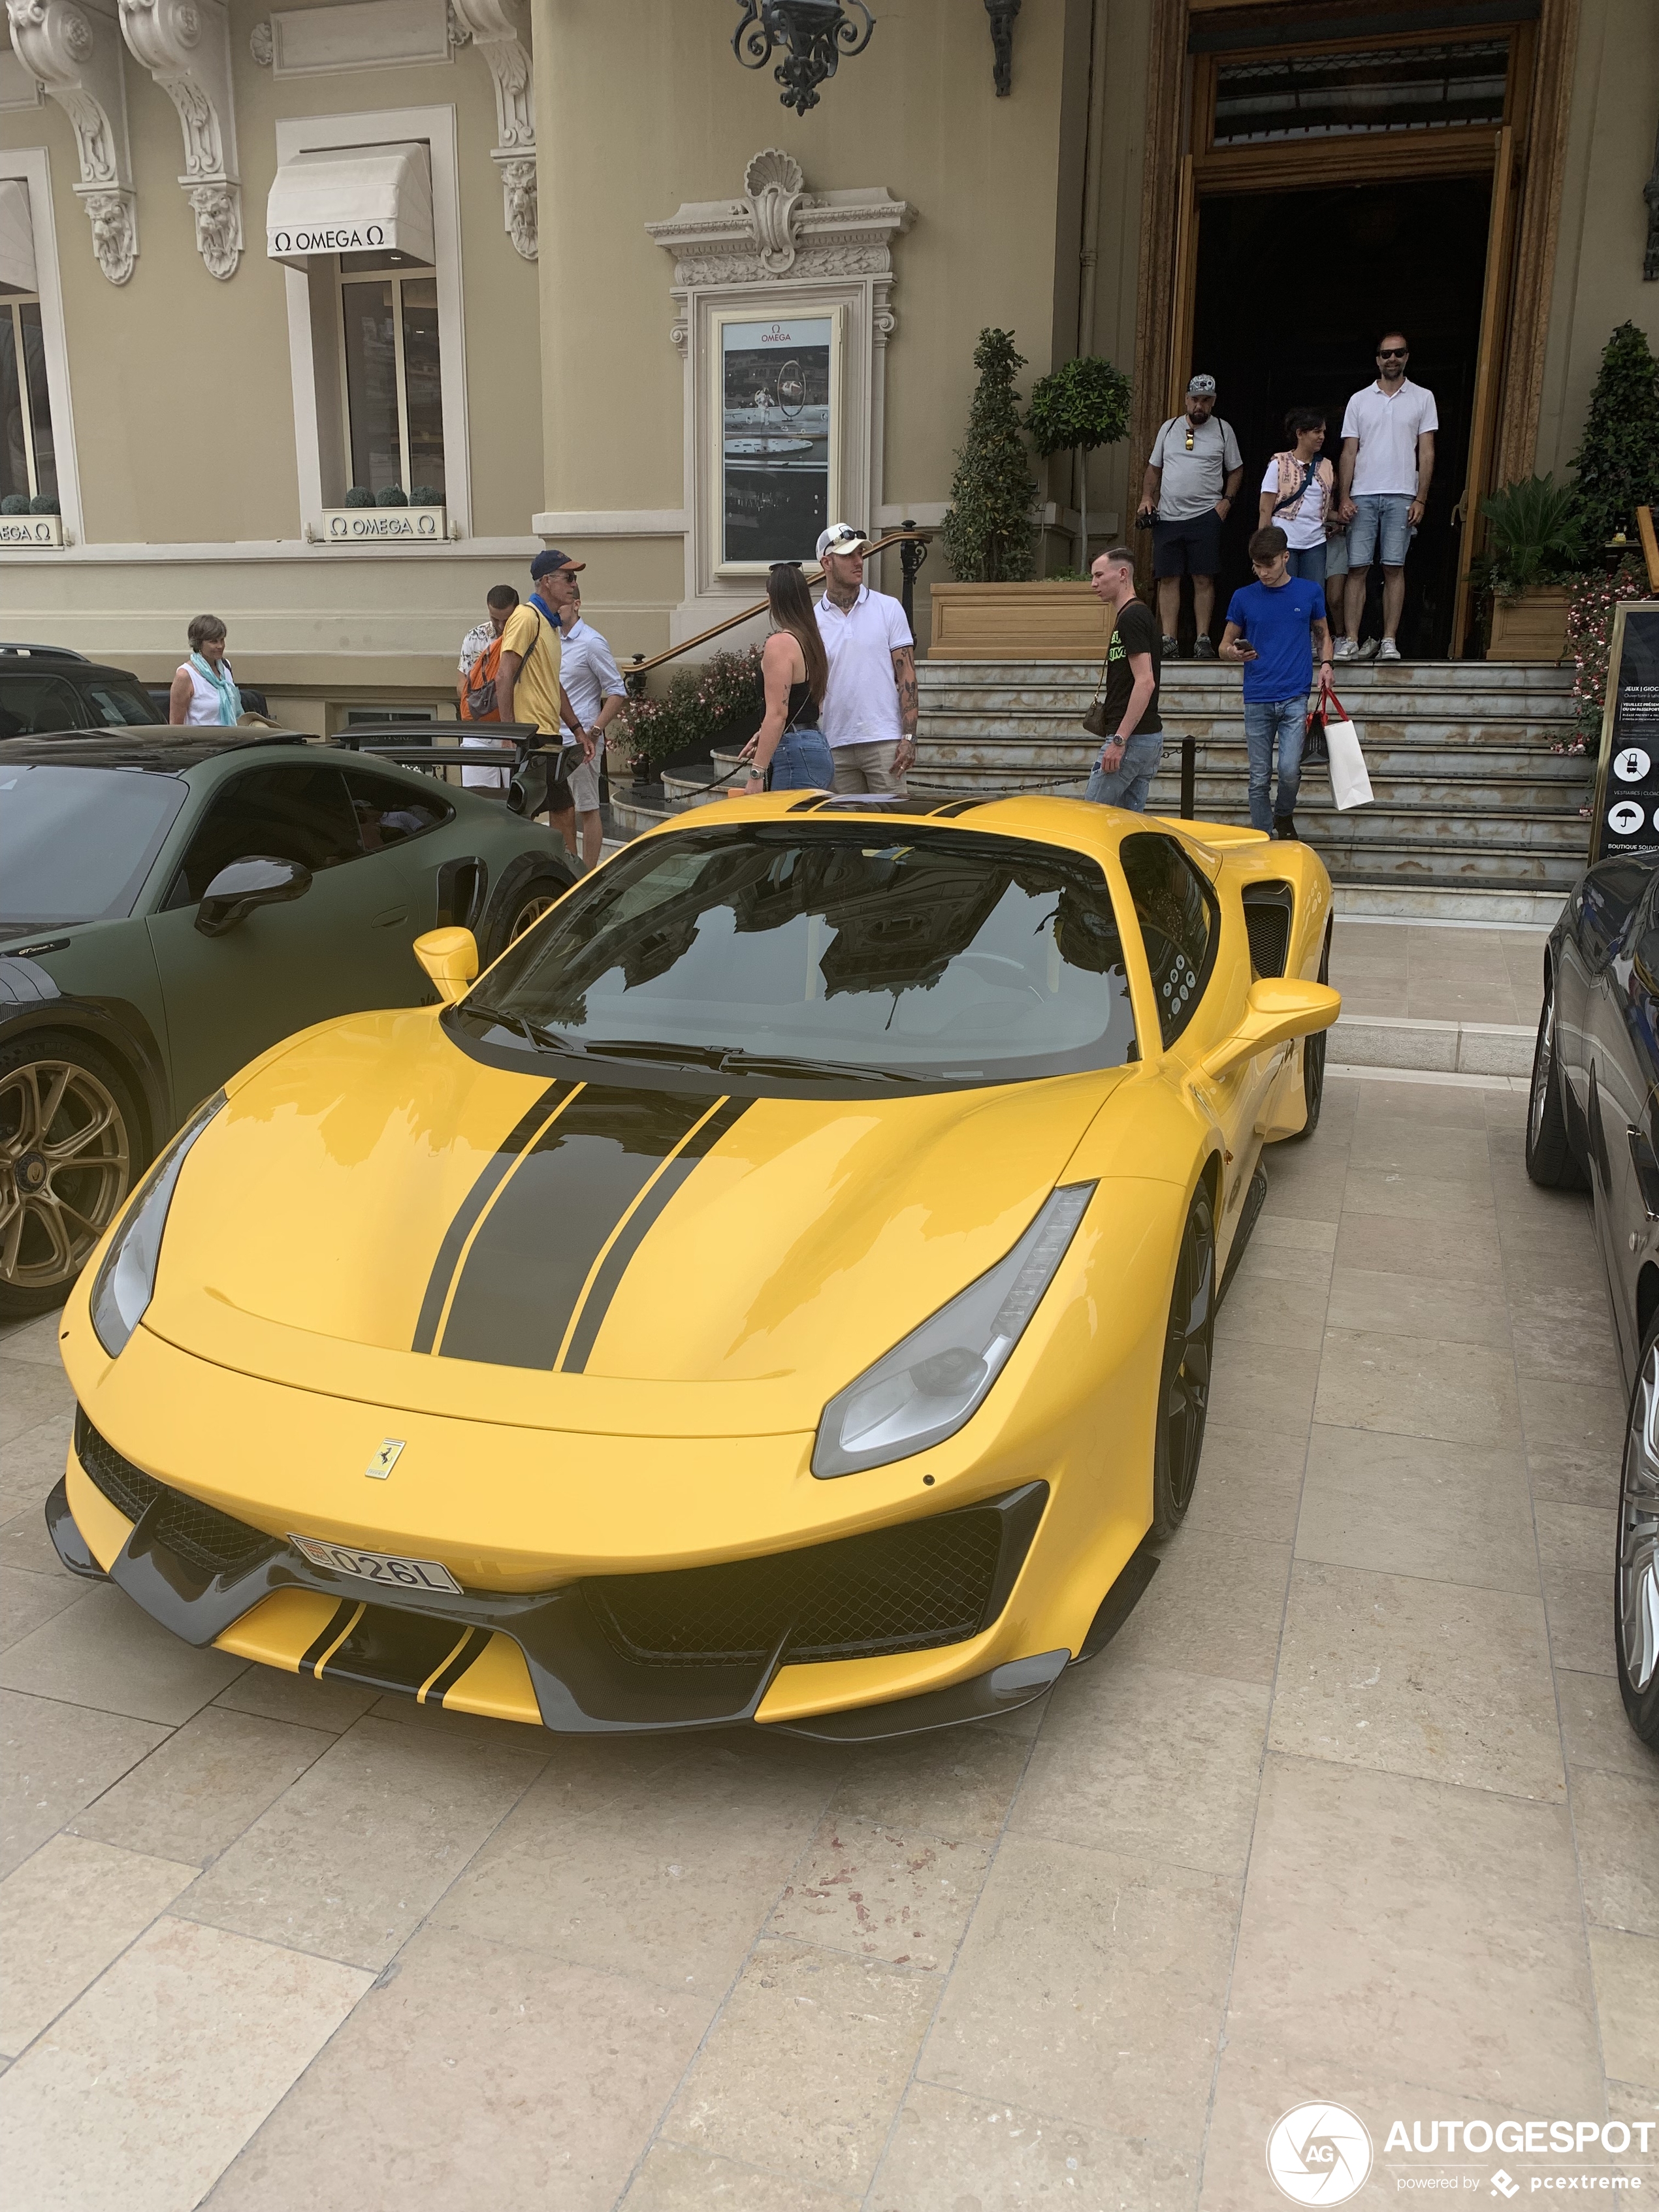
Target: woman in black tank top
{"points": [[789, 750]]}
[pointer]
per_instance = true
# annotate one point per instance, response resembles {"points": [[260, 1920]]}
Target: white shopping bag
{"points": [[1350, 784]]}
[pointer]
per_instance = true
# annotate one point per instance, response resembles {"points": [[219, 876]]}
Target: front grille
{"points": [[202, 1537], [897, 1589]]}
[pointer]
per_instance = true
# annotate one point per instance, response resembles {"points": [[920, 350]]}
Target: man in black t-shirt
{"points": [[1128, 759]]}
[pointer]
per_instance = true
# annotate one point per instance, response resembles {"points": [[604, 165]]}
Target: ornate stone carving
{"points": [[186, 46], [778, 232], [1002, 14], [773, 184], [262, 44], [74, 52], [491, 28]]}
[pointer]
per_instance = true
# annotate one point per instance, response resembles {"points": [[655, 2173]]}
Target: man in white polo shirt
{"points": [[1383, 488], [590, 677], [870, 701]]}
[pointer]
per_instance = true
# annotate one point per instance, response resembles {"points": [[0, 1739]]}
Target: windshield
{"points": [[76, 843], [928, 955]]}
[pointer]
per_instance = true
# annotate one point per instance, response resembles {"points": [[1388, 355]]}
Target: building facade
{"points": [[326, 318]]}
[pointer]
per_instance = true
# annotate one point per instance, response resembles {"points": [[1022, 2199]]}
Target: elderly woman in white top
{"points": [[203, 689]]}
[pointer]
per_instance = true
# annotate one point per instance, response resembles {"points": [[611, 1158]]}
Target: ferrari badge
{"points": [[384, 1460]]}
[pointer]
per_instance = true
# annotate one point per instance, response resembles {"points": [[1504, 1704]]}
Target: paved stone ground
{"points": [[1350, 1810]]}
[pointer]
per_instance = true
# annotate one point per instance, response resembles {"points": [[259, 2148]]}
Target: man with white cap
{"points": [[1192, 481], [869, 714]]}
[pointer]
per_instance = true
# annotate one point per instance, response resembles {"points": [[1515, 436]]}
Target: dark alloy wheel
{"points": [[1313, 1058], [1183, 1390], [68, 1138], [524, 910], [1551, 1158], [1635, 1577]]}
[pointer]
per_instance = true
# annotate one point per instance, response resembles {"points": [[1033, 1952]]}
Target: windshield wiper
{"points": [[719, 1059], [741, 1062], [536, 1038]]}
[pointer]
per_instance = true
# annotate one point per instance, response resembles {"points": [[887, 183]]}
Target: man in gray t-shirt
{"points": [[1192, 481]]}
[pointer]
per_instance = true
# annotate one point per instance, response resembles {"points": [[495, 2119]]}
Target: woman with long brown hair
{"points": [[789, 752]]}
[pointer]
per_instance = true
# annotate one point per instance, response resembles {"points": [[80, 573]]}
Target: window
{"points": [[299, 814], [76, 843], [31, 704], [373, 718], [28, 459], [1177, 920], [390, 382], [390, 812], [1345, 94], [115, 705]]}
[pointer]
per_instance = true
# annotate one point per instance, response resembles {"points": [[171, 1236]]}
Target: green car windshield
{"points": [[919, 955], [76, 843]]}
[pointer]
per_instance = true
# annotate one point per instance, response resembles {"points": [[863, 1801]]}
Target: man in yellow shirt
{"points": [[528, 689]]}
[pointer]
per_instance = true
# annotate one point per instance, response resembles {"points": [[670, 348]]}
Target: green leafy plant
{"points": [[1080, 406], [1592, 600], [360, 495], [43, 502], [426, 495], [701, 705], [986, 532], [15, 502], [392, 495], [1534, 534], [1617, 459]]}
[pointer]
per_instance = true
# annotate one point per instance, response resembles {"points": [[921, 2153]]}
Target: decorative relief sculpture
{"points": [[186, 46], [491, 27], [73, 50], [262, 44], [778, 232], [772, 184]]}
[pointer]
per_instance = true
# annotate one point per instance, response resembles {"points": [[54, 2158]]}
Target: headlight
{"points": [[925, 1388], [126, 1279]]}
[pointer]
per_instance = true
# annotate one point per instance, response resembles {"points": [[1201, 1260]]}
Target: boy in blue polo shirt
{"points": [[1273, 626]]}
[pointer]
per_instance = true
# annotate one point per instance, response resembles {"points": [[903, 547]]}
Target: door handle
{"points": [[394, 914]]}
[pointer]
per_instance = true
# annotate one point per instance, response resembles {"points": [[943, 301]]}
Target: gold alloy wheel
{"points": [[532, 912], [65, 1165]]}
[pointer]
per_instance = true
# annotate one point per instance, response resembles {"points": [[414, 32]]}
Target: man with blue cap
{"points": [[527, 685]]}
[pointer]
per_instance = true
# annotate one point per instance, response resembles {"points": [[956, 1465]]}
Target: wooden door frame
{"points": [[1540, 152]]}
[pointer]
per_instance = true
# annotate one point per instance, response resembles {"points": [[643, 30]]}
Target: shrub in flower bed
{"points": [[1591, 600], [721, 697]]}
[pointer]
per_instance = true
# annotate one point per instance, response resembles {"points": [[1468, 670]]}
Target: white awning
{"points": [[16, 237], [351, 200]]}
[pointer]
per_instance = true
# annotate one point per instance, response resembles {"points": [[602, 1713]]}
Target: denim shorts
{"points": [[1307, 562], [801, 762], [1380, 531]]}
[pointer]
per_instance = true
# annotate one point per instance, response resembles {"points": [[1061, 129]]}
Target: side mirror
{"points": [[236, 890], [450, 957], [1279, 1008]]}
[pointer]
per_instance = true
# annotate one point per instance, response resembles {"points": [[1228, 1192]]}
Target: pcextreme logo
{"points": [[1322, 2153]]}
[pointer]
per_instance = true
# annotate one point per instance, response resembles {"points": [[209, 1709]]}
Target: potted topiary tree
{"points": [[993, 612], [1533, 541], [1618, 457], [1083, 405]]}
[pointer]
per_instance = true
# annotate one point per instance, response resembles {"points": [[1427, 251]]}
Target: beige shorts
{"points": [[584, 783], [867, 768]]}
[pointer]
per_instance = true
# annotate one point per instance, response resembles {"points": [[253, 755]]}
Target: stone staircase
{"points": [[1472, 812]]}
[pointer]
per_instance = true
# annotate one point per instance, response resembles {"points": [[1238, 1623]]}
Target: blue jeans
{"points": [[1128, 784], [1270, 725], [1308, 562], [1380, 530], [801, 762]]}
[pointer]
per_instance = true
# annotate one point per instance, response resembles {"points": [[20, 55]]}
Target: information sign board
{"points": [[1626, 808]]}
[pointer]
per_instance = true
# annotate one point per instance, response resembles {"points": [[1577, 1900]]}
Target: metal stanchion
{"points": [[1189, 778]]}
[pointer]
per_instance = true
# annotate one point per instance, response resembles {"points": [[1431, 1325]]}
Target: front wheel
{"points": [[1636, 1576], [528, 903], [1551, 1158], [1183, 1390], [70, 1146]]}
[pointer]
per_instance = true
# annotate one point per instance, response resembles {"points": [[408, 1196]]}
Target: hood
{"points": [[374, 1187]]}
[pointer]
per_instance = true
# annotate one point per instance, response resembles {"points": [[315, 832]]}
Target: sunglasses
{"points": [[1394, 353]]}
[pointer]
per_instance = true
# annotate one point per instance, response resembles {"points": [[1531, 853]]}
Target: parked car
{"points": [[1592, 1120], [792, 1266], [170, 905], [47, 687]]}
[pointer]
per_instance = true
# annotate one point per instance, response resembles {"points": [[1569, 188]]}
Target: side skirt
{"points": [[1249, 1212]]}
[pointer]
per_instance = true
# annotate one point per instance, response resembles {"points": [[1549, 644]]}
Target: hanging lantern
{"points": [[814, 34]]}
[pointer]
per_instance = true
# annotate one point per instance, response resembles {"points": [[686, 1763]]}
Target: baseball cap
{"points": [[1201, 387], [841, 537], [547, 563]]}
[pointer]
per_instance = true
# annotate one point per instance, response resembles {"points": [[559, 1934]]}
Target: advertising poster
{"points": [[1626, 811], [774, 436]]}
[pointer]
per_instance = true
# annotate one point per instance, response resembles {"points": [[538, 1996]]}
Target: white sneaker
{"points": [[1368, 651], [1388, 650], [1346, 650]]}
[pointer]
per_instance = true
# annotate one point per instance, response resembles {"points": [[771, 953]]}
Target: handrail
{"points": [[639, 667]]}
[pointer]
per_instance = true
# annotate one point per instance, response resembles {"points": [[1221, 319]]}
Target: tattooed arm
{"points": [[904, 675]]}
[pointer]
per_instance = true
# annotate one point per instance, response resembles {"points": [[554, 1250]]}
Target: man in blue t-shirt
{"points": [[1274, 626]]}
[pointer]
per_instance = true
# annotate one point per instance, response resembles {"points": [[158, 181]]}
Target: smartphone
{"points": [[1244, 649]]}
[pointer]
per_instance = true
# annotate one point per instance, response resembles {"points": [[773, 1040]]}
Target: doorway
{"points": [[1293, 289]]}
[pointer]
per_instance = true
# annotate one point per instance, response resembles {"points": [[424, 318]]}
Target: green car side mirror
{"points": [[1279, 1008], [256, 881]]}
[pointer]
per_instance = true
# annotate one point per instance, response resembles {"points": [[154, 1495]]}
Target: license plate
{"points": [[376, 1566]]}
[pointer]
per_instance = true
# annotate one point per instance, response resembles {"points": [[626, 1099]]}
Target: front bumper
{"points": [[684, 1649]]}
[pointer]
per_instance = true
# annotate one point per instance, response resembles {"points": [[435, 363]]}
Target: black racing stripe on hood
{"points": [[455, 1236], [638, 1227], [523, 1278]]}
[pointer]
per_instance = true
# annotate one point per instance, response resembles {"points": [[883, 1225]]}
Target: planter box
{"points": [[383, 525], [1017, 622], [1531, 628], [31, 530]]}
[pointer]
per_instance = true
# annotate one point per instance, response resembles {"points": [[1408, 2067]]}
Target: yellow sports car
{"points": [[780, 1290]]}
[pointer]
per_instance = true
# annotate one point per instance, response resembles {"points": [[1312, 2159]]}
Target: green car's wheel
{"points": [[524, 908], [1183, 1391], [69, 1145], [1551, 1157], [1636, 1580]]}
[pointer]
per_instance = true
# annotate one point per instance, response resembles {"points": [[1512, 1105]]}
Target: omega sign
{"points": [[357, 238]]}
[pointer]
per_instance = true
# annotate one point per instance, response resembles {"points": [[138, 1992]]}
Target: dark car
{"points": [[47, 687], [171, 905], [1593, 1120]]}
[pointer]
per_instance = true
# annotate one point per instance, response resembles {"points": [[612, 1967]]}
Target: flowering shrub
{"points": [[699, 705], [1590, 601]]}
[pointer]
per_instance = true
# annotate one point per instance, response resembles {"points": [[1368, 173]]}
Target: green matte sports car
{"points": [[172, 903]]}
